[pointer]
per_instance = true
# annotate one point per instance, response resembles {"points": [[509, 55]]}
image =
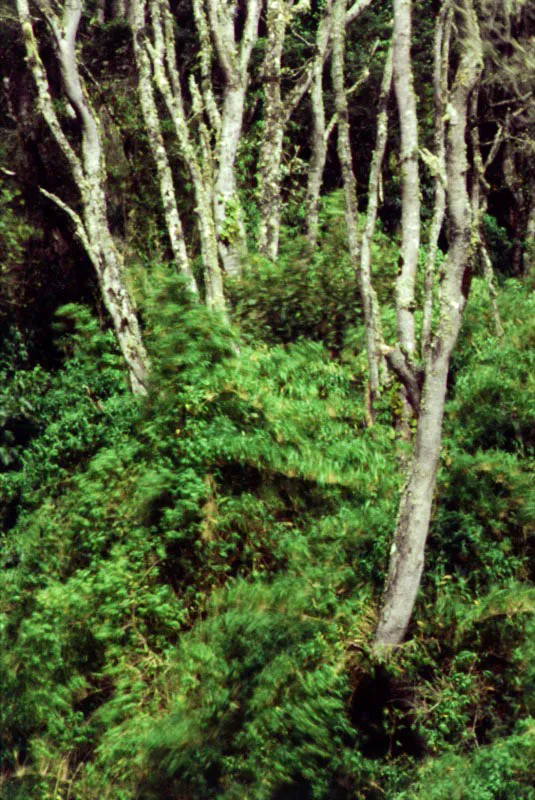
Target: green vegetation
{"points": [[200, 483], [190, 583]]}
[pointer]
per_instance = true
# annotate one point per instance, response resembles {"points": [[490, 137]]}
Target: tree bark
{"points": [[233, 57], [321, 130], [277, 112], [88, 172], [438, 164], [196, 155], [151, 119], [319, 138], [273, 126], [479, 202], [407, 554], [410, 208], [373, 333], [362, 268]]}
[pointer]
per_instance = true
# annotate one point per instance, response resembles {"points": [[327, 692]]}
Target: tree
{"points": [[151, 119], [407, 554], [88, 172]]}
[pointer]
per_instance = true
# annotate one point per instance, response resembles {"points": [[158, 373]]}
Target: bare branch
{"points": [[356, 10]]}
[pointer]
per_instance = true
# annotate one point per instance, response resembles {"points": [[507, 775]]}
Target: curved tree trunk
{"points": [[368, 299], [88, 172], [407, 554]]}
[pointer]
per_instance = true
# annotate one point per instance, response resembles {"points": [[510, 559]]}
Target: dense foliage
{"points": [[190, 583]]}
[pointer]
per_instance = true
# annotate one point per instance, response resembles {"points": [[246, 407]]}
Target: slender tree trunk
{"points": [[198, 160], [321, 130], [278, 110], [319, 139], [407, 554], [159, 153], [479, 203], [410, 208], [368, 299], [273, 125], [88, 172], [373, 333], [440, 84]]}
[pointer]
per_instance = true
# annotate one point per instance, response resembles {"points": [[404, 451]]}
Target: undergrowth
{"points": [[190, 583]]}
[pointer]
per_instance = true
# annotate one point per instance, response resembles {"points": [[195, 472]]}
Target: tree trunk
{"points": [[407, 554], [273, 125], [159, 153], [321, 131], [440, 85], [319, 140], [228, 212], [410, 208], [196, 159], [278, 110], [234, 58], [373, 333], [88, 172], [369, 302]]}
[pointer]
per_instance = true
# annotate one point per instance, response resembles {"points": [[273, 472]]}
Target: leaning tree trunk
{"points": [[407, 554], [88, 172], [151, 119], [197, 159], [367, 294]]}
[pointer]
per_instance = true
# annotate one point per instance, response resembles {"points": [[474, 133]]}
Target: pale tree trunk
{"points": [[437, 163], [159, 153], [233, 58], [321, 130], [273, 125], [410, 208], [367, 294], [88, 172], [319, 139], [196, 159], [407, 554], [373, 334], [228, 212], [277, 112]]}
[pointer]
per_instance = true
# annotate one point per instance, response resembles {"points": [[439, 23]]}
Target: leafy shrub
{"points": [[499, 771], [260, 700]]}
